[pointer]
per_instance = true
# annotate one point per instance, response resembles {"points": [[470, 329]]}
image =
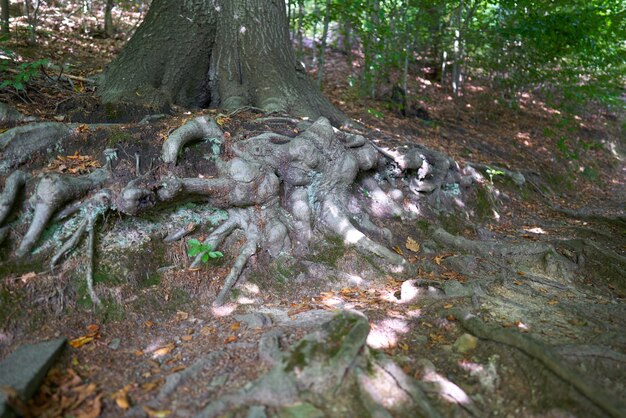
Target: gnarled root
{"points": [[544, 354], [202, 127], [322, 367], [12, 186], [51, 193]]}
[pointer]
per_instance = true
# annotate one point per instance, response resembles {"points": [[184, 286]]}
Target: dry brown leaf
{"points": [[181, 316], [207, 331], [234, 327], [440, 257], [122, 402], [553, 302], [517, 282], [412, 245], [398, 250], [187, 338], [25, 278], [148, 324], [155, 413], [448, 305], [230, 339], [80, 341], [166, 349], [93, 409]]}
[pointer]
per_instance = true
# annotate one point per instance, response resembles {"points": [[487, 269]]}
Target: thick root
{"points": [[13, 185], [52, 192], [544, 354], [202, 127]]}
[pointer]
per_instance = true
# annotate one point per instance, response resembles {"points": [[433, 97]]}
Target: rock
{"points": [[300, 410], [453, 288], [255, 320], [465, 343], [115, 343], [25, 368]]}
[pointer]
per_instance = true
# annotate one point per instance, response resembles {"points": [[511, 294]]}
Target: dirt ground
{"points": [[158, 348]]}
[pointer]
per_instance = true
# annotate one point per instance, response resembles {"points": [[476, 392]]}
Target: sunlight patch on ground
{"points": [[224, 310], [385, 334], [243, 300], [383, 388], [535, 230], [448, 390]]}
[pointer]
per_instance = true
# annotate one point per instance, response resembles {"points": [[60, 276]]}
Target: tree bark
{"points": [[215, 53], [4, 5], [108, 19]]}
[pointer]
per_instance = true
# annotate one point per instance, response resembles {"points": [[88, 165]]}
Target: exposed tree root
{"points": [[202, 127], [52, 192], [280, 192], [544, 354], [322, 367], [12, 186]]}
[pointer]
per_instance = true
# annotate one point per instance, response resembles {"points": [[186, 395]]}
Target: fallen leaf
{"points": [[80, 341], [159, 352], [181, 316], [154, 413], [230, 339], [398, 250], [207, 331], [448, 305], [412, 245], [187, 337], [148, 324], [121, 400], [403, 346], [517, 282], [28, 276], [234, 327], [553, 302], [521, 273]]}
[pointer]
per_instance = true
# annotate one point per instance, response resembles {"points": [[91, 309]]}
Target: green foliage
{"points": [[572, 50], [204, 250], [492, 172], [25, 71]]}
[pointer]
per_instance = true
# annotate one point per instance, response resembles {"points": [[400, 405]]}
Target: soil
{"points": [[158, 321]]}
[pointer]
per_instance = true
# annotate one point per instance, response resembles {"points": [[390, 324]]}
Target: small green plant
{"points": [[204, 250], [25, 71], [375, 113], [492, 172]]}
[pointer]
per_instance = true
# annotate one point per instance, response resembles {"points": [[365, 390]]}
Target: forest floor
{"points": [[131, 358]]}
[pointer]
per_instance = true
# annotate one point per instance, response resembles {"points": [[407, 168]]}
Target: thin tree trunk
{"points": [[458, 52], [320, 63], [316, 12], [300, 34], [108, 19], [405, 79], [4, 4]]}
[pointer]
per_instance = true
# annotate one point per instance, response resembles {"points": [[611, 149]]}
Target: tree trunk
{"points": [[4, 5], [108, 19], [209, 53], [320, 63]]}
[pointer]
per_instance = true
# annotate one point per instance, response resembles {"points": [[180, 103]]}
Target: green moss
{"points": [[118, 136], [299, 356], [484, 202], [452, 223], [423, 225], [9, 306], [110, 311], [330, 251], [111, 111]]}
